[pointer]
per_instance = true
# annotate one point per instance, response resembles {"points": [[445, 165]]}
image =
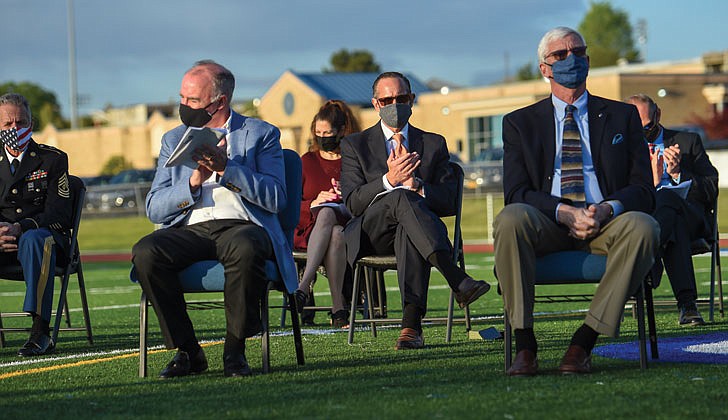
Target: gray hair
{"points": [[560, 32], [18, 100], [644, 99], [223, 81]]}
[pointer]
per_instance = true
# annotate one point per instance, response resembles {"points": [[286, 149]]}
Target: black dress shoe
{"points": [[470, 290], [37, 345], [182, 365], [689, 315], [235, 365]]}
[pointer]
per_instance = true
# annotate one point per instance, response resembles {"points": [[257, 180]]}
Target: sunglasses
{"points": [[560, 55], [400, 99]]}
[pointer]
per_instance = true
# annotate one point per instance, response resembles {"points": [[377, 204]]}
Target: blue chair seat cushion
{"points": [[209, 276], [570, 267]]}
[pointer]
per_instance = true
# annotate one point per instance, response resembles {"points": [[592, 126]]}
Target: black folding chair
{"points": [[73, 266], [372, 267]]}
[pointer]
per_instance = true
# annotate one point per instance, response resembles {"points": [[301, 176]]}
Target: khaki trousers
{"points": [[523, 233]]}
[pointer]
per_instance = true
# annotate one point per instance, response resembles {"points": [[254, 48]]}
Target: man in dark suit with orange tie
{"points": [[413, 165], [576, 176]]}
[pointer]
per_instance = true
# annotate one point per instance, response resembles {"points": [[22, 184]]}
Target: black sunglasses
{"points": [[560, 55], [400, 99]]}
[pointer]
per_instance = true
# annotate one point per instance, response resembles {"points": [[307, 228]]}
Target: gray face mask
{"points": [[395, 115]]}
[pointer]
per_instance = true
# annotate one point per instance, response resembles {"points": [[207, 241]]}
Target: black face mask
{"points": [[328, 144], [195, 117], [651, 131]]}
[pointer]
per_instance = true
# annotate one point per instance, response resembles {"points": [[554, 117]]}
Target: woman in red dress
{"points": [[320, 230]]}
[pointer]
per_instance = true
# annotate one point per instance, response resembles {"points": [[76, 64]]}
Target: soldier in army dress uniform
{"points": [[35, 214]]}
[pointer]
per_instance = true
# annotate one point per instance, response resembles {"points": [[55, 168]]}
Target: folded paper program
{"points": [[193, 138]]}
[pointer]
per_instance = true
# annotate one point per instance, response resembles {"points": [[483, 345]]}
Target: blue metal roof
{"points": [[352, 88]]}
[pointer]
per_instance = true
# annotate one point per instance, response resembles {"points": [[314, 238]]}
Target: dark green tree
{"points": [[115, 164], [345, 61], [608, 34], [528, 71], [43, 103]]}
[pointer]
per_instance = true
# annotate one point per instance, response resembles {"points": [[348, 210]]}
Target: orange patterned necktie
{"points": [[399, 148]]}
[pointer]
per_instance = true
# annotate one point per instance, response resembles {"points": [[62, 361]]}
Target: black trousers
{"points": [[242, 248], [401, 223], [680, 223]]}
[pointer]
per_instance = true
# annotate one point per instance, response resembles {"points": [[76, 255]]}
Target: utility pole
{"points": [[72, 65], [642, 38]]}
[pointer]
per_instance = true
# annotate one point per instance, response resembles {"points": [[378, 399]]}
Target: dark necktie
{"points": [[399, 148], [14, 166], [572, 175]]}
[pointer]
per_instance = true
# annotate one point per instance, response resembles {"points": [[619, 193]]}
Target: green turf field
{"points": [[462, 379]]}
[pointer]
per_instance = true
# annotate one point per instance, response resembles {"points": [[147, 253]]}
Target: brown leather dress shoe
{"points": [[470, 290], [575, 360], [525, 364], [409, 339]]}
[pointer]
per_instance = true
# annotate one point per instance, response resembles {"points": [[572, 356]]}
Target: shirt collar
{"points": [[11, 157], [388, 133], [560, 106]]}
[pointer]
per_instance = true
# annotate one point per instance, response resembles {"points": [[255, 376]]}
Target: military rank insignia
{"points": [[40, 173], [63, 189]]}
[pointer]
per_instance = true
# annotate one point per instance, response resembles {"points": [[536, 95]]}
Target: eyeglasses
{"points": [[562, 54], [400, 99]]}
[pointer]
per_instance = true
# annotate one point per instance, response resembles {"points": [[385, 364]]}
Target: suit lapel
{"points": [[545, 114], [377, 145], [668, 137], [238, 136], [597, 123], [416, 144], [29, 163], [7, 177]]}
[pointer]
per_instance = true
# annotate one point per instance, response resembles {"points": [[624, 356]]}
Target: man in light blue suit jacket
{"points": [[224, 209]]}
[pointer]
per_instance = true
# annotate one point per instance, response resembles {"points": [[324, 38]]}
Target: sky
{"points": [[136, 51]]}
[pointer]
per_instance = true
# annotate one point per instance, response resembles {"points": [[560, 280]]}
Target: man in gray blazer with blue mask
{"points": [[576, 177], [225, 209]]}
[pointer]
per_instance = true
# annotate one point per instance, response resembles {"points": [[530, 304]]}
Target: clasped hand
{"points": [[402, 168], [210, 159], [9, 234], [584, 223], [668, 161]]}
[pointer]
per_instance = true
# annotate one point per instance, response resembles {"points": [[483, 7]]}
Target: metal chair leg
{"points": [[354, 298], [652, 327], [265, 336], [507, 345], [143, 329], [84, 303], [298, 341]]}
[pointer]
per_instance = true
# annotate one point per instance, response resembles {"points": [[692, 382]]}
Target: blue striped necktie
{"points": [[572, 175]]}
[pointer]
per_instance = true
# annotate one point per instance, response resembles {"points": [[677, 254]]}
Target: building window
{"points": [[485, 138]]}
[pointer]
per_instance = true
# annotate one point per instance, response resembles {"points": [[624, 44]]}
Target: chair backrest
{"points": [[78, 193], [707, 244], [457, 241], [289, 216]]}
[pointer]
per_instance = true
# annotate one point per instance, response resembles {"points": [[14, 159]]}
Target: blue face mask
{"points": [[570, 72]]}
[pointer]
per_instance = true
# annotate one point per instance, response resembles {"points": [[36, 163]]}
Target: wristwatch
{"points": [[418, 185]]}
